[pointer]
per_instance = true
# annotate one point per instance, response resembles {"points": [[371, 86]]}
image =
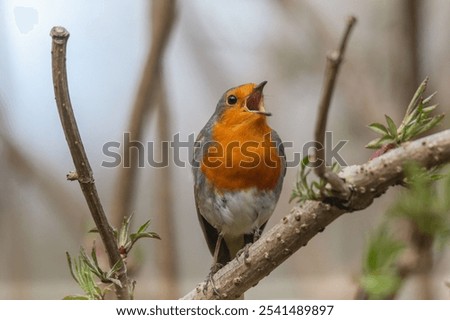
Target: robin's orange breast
{"points": [[244, 155]]}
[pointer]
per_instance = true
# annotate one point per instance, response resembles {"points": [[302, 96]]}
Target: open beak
{"points": [[255, 101]]}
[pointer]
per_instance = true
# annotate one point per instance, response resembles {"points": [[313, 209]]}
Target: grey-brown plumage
{"points": [[235, 199]]}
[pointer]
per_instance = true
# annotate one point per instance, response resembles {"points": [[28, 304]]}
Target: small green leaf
{"points": [[69, 261], [417, 96], [316, 184], [379, 142], [136, 236], [123, 232], [379, 278], [114, 269], [410, 132], [380, 286], [378, 128], [391, 126], [374, 144], [305, 162], [428, 99], [83, 270], [91, 264], [432, 123], [303, 190], [94, 256], [382, 250], [304, 180], [429, 109], [143, 227]]}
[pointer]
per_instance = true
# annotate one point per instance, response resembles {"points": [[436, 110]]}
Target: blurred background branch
{"points": [[405, 51], [151, 95], [166, 253], [162, 19]]}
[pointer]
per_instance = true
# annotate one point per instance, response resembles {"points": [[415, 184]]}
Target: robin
{"points": [[239, 166]]}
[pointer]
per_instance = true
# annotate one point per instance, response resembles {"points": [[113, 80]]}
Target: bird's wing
{"points": [[211, 234], [280, 147]]}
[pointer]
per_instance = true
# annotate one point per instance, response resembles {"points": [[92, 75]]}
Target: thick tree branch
{"points": [[334, 60], [163, 17], [84, 173], [367, 181]]}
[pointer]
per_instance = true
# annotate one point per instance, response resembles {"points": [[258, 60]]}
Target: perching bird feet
{"points": [[210, 280]]}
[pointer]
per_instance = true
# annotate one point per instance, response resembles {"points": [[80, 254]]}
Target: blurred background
{"points": [[207, 48]]}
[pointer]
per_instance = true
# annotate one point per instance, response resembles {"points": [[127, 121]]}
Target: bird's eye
{"points": [[232, 99]]}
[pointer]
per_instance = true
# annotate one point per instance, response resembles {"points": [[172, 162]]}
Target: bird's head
{"points": [[246, 100]]}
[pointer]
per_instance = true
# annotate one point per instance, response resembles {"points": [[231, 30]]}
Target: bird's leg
{"points": [[216, 250], [215, 267], [245, 249]]}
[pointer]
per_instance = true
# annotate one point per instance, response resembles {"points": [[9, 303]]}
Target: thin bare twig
{"points": [[368, 181], [334, 60], [85, 175], [163, 17]]}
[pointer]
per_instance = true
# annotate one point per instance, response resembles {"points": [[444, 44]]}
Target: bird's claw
{"points": [[244, 251], [209, 279]]}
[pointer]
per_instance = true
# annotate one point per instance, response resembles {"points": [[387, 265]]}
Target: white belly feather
{"points": [[239, 212]]}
